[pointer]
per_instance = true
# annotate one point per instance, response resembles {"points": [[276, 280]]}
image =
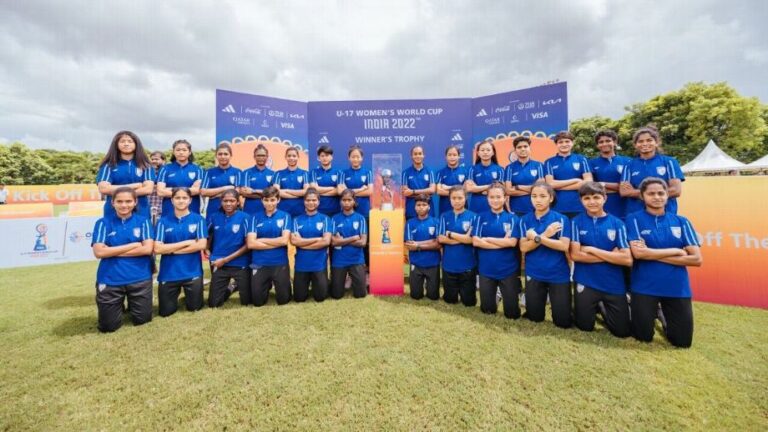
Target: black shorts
{"points": [[424, 277], [262, 280], [302, 281], [339, 276], [168, 295], [110, 298]]}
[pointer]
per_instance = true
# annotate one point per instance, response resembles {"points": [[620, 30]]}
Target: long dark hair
{"points": [[113, 154]]}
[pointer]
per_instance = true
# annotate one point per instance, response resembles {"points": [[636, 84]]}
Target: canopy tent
{"points": [[759, 164], [712, 159]]}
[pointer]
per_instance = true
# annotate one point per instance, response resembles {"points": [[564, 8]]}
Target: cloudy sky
{"points": [[72, 73]]}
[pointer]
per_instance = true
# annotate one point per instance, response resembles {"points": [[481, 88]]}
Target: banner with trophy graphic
{"points": [[386, 226]]}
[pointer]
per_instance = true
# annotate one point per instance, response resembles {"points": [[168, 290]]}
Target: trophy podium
{"points": [[387, 222]]}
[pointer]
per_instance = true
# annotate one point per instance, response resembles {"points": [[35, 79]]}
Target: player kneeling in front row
{"points": [[123, 243], [229, 257], [350, 235], [179, 239], [664, 245], [311, 234], [268, 234], [599, 249], [423, 251], [495, 240]]}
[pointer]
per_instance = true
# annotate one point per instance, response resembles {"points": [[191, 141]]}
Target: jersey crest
{"points": [[676, 231]]}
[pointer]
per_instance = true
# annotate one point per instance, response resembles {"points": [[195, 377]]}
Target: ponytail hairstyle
{"points": [[653, 132], [128, 190], [176, 190], [488, 141], [189, 147], [547, 187]]}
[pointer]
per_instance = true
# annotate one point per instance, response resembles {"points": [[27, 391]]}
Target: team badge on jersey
{"points": [[280, 223], [269, 178], [231, 179], [426, 177], [494, 175], [192, 227], [355, 224], [139, 172], [576, 165], [461, 177], [661, 170], [466, 225], [534, 172], [319, 225], [431, 230], [192, 175], [620, 169], [137, 232], [300, 179], [611, 234], [676, 231], [235, 228], [507, 228], [334, 177], [362, 178]]}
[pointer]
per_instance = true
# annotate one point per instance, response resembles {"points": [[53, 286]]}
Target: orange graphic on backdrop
{"points": [[242, 152], [542, 148]]}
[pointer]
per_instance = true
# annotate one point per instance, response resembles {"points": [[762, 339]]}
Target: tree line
{"points": [[686, 118]]}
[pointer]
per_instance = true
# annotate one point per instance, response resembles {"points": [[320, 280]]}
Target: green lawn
{"points": [[374, 364]]}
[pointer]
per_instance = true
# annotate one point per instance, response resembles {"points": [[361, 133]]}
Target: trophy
{"points": [[387, 169]]}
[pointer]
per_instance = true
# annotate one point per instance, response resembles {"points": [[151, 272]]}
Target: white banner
{"points": [[37, 241]]}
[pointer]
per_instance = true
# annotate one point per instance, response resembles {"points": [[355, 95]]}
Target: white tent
{"points": [[712, 159], [759, 164]]}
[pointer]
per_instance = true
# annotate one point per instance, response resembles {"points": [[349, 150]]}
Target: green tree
{"points": [[584, 131], [19, 165], [688, 118]]}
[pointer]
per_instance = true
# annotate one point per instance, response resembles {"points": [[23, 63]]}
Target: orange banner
{"points": [[86, 208], [386, 248], [19, 211], [56, 194], [729, 214], [242, 154]]}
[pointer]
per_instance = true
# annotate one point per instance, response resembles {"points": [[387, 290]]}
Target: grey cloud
{"points": [[73, 73]]}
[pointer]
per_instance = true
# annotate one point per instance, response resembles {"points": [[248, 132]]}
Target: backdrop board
{"points": [[245, 120], [391, 126], [47, 240], [537, 112], [386, 230], [56, 194], [729, 219]]}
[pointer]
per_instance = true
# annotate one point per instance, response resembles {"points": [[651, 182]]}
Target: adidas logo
{"points": [[481, 113], [324, 140], [457, 137], [228, 109]]}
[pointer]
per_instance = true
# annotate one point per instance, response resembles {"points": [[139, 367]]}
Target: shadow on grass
{"points": [[77, 326], [601, 336], [70, 302]]}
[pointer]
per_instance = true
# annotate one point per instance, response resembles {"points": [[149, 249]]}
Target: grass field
{"points": [[374, 364]]}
